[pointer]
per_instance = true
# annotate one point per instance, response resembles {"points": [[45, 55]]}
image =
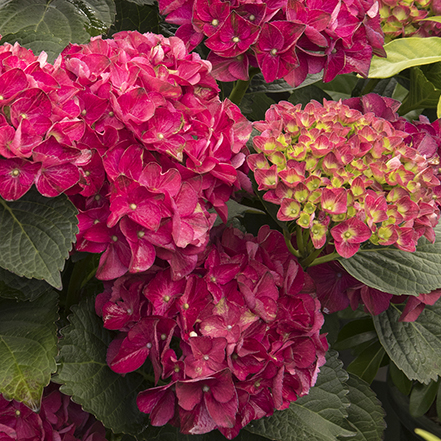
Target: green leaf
{"points": [[403, 384], [35, 23], [20, 288], [100, 14], [319, 416], [437, 19], [365, 413], [305, 94], [355, 333], [259, 85], [414, 347], [84, 374], [367, 363], [340, 87], [36, 235], [28, 346], [254, 106], [403, 53], [131, 16], [391, 270], [422, 397], [422, 93]]}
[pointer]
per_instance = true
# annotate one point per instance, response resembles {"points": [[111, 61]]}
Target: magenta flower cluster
{"points": [[59, 419], [133, 130], [284, 38], [229, 343]]}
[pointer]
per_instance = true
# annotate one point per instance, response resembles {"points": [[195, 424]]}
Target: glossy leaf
{"points": [[355, 333], [36, 235], [403, 53], [28, 346], [20, 288]]}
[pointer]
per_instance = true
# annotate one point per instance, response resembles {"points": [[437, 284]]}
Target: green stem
{"points": [[292, 250], [299, 239], [241, 87], [323, 259]]}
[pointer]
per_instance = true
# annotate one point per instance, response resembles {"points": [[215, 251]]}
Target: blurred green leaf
{"points": [[305, 94], [355, 333], [399, 379]]}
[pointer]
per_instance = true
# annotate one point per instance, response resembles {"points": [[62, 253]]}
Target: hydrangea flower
{"points": [[165, 145], [230, 342], [59, 419], [402, 18], [333, 168], [285, 39]]}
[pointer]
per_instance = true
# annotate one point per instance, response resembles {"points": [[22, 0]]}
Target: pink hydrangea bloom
{"points": [[352, 168], [285, 39], [245, 330]]}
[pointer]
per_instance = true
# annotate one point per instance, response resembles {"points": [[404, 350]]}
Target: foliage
{"points": [[129, 192]]}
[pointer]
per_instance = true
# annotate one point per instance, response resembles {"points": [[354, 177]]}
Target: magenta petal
{"points": [[128, 357], [12, 82], [223, 414], [52, 181], [16, 177], [189, 394]]}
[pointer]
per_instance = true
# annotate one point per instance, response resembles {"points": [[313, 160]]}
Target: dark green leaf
{"points": [[340, 87], [100, 14], [36, 235], [422, 93], [403, 53], [438, 401], [319, 416], [84, 374], [355, 333], [367, 363], [365, 412], [305, 94], [399, 378], [255, 105], [131, 16], [414, 347], [28, 346], [391, 270], [422, 397], [43, 25], [258, 84], [20, 288]]}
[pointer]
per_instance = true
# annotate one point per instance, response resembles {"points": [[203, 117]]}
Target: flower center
{"points": [[83, 112], [149, 345], [166, 298], [140, 234], [186, 306], [87, 173], [215, 22], [111, 114], [97, 197], [15, 172], [206, 357], [160, 136], [132, 206], [177, 369], [115, 238], [17, 412], [252, 17], [96, 221], [347, 235], [236, 40], [273, 51], [163, 337], [205, 388], [229, 327]]}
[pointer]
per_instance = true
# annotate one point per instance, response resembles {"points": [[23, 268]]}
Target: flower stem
{"points": [[292, 250], [241, 86], [299, 239], [322, 259]]}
